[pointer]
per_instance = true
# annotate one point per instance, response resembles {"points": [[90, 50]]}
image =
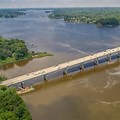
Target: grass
{"points": [[2, 78], [41, 54]]}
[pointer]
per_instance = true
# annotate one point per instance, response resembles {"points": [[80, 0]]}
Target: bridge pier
{"points": [[96, 61], [22, 85], [82, 66], [65, 71], [118, 54], [45, 77], [104, 56], [108, 57]]}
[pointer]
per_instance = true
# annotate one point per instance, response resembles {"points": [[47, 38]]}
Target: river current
{"points": [[93, 95]]}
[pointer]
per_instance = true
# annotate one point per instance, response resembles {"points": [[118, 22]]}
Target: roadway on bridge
{"points": [[59, 67]]}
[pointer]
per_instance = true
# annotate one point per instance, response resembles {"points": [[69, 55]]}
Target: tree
{"points": [[12, 48], [8, 116], [107, 22], [2, 77], [12, 106]]}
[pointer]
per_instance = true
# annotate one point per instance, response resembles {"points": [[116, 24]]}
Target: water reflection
{"points": [[23, 63], [8, 66], [12, 65]]}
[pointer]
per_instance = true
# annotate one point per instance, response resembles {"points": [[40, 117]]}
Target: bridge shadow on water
{"points": [[41, 84]]}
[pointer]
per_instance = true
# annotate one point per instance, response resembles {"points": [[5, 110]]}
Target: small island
{"points": [[14, 50], [12, 107]]}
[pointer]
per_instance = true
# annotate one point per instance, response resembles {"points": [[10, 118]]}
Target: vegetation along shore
{"points": [[105, 17], [14, 50], [11, 13], [12, 107]]}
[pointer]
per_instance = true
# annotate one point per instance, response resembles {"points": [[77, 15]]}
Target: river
{"points": [[94, 95]]}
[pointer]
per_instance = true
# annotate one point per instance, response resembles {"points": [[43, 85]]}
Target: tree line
{"points": [[12, 48], [12, 106], [107, 22], [86, 15], [11, 13]]}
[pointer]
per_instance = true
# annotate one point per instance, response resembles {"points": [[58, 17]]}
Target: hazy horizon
{"points": [[54, 7], [57, 3]]}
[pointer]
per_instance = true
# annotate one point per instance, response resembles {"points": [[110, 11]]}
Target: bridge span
{"points": [[95, 58]]}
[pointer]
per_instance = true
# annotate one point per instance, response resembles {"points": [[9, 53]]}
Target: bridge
{"points": [[108, 55]]}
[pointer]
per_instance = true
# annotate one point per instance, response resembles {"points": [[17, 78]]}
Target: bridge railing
{"points": [[60, 66]]}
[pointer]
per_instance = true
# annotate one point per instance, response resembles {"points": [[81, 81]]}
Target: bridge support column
{"points": [[96, 61], [82, 66], [118, 54], [109, 57], [45, 77], [65, 71], [22, 85]]}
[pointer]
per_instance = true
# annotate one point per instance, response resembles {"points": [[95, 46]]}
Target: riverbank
{"points": [[27, 57], [2, 78], [11, 13], [15, 50], [106, 17]]}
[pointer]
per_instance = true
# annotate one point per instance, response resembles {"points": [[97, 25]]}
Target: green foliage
{"points": [[12, 48], [12, 106], [8, 116], [40, 54], [85, 15], [107, 22], [11, 13], [2, 78]]}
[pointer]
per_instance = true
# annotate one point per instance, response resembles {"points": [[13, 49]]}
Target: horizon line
{"points": [[59, 7]]}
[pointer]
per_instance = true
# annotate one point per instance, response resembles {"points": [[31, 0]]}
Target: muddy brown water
{"points": [[90, 95]]}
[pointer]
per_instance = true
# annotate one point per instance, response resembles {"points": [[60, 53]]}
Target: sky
{"points": [[58, 3]]}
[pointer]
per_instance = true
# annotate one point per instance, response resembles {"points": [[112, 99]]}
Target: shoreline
{"points": [[28, 57], [62, 67], [70, 77]]}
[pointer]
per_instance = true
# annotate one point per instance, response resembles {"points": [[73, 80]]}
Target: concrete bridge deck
{"points": [[60, 66]]}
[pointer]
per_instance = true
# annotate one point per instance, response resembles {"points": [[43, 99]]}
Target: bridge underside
{"points": [[68, 70]]}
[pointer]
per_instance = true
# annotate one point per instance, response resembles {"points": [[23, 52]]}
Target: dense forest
{"points": [[13, 50], [107, 22], [11, 13], [12, 106], [87, 15]]}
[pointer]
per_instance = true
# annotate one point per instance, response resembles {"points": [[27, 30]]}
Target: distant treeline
{"points": [[11, 13], [109, 16], [107, 22]]}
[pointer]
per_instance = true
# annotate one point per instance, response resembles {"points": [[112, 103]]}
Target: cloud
{"points": [[58, 3]]}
